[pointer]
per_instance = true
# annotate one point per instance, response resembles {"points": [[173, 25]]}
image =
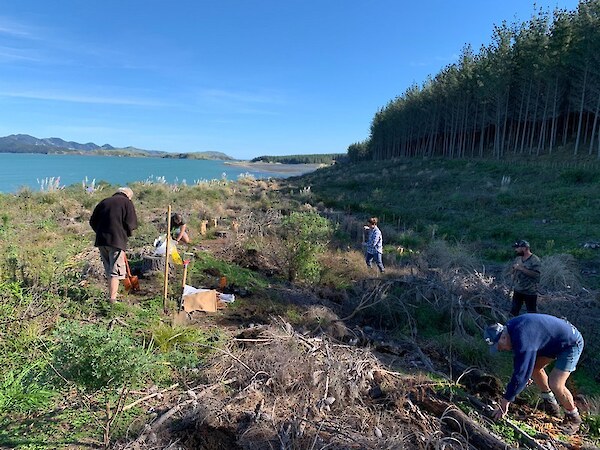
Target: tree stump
{"points": [[151, 263], [221, 233], [203, 225]]}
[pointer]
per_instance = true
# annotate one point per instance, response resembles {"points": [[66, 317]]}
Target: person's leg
{"points": [[118, 271], [517, 303], [539, 375], [540, 378], [379, 262], [105, 258], [557, 380], [369, 259], [531, 303], [566, 362], [184, 238], [113, 288]]}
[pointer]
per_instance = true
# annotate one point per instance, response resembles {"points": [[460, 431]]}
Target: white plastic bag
{"points": [[160, 248], [226, 298]]}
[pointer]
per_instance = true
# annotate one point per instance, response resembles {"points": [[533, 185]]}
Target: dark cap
{"points": [[491, 336], [521, 243]]}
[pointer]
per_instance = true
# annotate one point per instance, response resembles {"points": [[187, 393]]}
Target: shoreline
{"points": [[298, 169]]}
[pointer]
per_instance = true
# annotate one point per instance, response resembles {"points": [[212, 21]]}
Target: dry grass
{"points": [[293, 392], [559, 273], [440, 254]]}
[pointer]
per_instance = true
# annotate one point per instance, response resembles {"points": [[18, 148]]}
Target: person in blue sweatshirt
{"points": [[536, 340]]}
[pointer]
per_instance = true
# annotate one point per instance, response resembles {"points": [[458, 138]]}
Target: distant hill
{"points": [[199, 155], [23, 143]]}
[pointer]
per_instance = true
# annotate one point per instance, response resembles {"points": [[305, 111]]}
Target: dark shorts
{"points": [[114, 261]]}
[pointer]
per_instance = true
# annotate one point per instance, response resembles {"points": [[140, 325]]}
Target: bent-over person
{"points": [[114, 220], [535, 341]]}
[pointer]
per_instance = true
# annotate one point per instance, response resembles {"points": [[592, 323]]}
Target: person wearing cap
{"points": [[113, 221], [535, 341], [526, 276]]}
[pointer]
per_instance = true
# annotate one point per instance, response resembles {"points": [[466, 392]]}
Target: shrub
{"points": [[305, 236], [205, 266], [98, 359]]}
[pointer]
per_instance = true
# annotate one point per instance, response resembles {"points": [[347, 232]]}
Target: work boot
{"points": [[571, 423], [549, 404], [551, 407]]}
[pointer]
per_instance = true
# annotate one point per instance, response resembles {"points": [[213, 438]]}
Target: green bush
{"points": [[305, 236], [205, 266], [98, 359]]}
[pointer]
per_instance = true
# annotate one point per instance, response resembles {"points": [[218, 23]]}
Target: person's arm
{"points": [[523, 364], [181, 232], [130, 218], [523, 368], [94, 219], [531, 267], [526, 271], [370, 237]]}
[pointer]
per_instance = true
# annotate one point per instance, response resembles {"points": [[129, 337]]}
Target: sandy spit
{"points": [[289, 169]]}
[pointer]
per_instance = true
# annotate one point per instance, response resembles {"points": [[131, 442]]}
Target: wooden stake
{"points": [[185, 264], [166, 284]]}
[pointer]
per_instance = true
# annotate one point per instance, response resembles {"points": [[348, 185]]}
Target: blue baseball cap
{"points": [[491, 336]]}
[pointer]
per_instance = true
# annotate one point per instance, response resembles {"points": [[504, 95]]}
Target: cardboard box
{"points": [[200, 300]]}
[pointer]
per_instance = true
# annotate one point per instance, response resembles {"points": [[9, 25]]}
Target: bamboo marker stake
{"points": [[166, 284]]}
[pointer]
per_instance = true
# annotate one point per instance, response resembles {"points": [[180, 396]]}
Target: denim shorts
{"points": [[568, 358]]}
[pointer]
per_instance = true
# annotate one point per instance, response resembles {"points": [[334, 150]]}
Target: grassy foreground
{"points": [[76, 372]]}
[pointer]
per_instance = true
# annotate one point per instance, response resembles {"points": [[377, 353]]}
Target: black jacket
{"points": [[114, 220]]}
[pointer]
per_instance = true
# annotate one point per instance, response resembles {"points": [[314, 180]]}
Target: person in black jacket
{"points": [[114, 220]]}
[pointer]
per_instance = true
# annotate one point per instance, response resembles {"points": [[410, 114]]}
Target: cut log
{"points": [[454, 418], [221, 233]]}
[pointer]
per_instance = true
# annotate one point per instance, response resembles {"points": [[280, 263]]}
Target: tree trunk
{"points": [[554, 103], [594, 126], [526, 117], [581, 103]]}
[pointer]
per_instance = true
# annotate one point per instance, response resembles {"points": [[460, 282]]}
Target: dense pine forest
{"points": [[534, 90], [302, 159]]}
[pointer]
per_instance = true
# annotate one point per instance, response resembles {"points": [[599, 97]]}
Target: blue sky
{"points": [[247, 78]]}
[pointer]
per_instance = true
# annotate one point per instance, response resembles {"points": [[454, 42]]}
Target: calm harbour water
{"points": [[29, 170]]}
